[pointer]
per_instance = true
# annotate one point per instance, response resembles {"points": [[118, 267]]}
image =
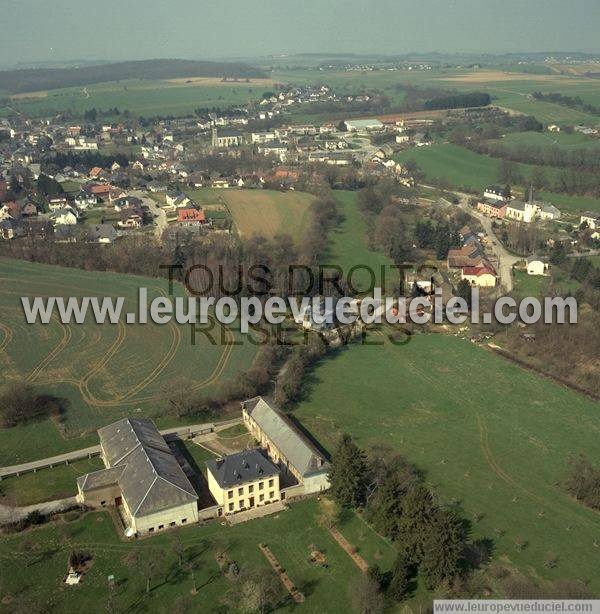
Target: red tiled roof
{"points": [[477, 271], [191, 215]]}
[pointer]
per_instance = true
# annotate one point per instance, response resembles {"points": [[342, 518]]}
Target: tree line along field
{"points": [[260, 212], [102, 371], [461, 168], [140, 97], [290, 535], [182, 96], [348, 245], [492, 438], [509, 89]]}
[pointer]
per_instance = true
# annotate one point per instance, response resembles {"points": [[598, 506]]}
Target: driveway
{"points": [[504, 259], [160, 217], [12, 514]]}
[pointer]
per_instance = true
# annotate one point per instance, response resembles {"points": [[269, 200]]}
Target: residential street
{"points": [[160, 217], [504, 260]]}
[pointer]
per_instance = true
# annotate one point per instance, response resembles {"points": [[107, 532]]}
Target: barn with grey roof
{"points": [[142, 478], [285, 444]]}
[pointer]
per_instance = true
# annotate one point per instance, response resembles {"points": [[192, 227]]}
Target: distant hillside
{"points": [[31, 80]]}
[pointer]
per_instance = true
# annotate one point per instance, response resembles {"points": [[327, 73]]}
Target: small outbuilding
{"points": [[536, 266]]}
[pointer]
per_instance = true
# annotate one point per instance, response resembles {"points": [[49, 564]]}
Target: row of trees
{"points": [[91, 115], [458, 101], [573, 102], [567, 181], [583, 482], [430, 539], [439, 236], [584, 159], [386, 229], [21, 404]]}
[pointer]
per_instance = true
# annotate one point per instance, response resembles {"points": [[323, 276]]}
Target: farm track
{"points": [[83, 384], [8, 336], [62, 344], [495, 467], [581, 511]]}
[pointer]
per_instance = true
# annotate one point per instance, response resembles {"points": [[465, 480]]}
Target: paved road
{"points": [[12, 514], [504, 258], [159, 215]]}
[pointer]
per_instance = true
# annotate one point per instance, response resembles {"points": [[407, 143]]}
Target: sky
{"points": [[61, 30]]}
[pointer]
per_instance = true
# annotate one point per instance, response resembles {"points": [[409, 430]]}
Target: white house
{"points": [[494, 192], [263, 137], [546, 211], [536, 266], [591, 219], [64, 217], [84, 200], [366, 125]]}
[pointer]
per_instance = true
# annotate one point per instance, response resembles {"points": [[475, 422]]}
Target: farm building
{"points": [[142, 479], [285, 445], [495, 192], [356, 125], [591, 219], [536, 266], [482, 277], [492, 207], [243, 481]]}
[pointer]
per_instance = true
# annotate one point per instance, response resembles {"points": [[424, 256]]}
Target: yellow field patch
{"points": [[25, 95], [268, 213], [494, 76], [212, 81]]}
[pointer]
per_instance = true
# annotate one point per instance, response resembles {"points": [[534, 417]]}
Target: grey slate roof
{"points": [[151, 480], [240, 468], [296, 448], [99, 479]]}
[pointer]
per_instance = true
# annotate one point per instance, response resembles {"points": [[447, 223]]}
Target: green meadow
{"points": [[348, 246], [459, 168], [102, 372], [493, 439], [140, 97], [38, 560]]}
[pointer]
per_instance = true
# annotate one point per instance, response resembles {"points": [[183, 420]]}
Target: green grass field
{"points": [[348, 246], [261, 212], [140, 97], [492, 438], [459, 168], [46, 484], [38, 562], [542, 285], [102, 371], [508, 89], [561, 140]]}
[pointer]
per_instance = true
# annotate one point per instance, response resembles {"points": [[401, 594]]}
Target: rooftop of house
{"points": [[535, 258], [191, 215], [477, 271], [151, 479], [496, 204], [295, 446], [241, 468], [518, 205]]}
